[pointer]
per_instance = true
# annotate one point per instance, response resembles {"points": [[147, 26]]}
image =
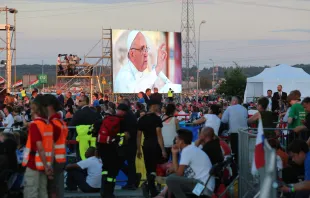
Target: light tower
{"points": [[188, 37], [9, 29]]}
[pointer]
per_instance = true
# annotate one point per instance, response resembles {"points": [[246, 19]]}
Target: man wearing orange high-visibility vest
{"points": [[38, 154], [60, 129]]}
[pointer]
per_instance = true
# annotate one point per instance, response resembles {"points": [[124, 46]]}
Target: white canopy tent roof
{"points": [[289, 77]]}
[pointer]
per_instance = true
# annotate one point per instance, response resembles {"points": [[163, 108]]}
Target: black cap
{"points": [[122, 107]]}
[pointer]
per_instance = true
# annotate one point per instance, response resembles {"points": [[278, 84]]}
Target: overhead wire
{"points": [[99, 9]]}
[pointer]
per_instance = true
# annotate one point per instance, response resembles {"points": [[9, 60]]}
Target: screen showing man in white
{"points": [[131, 78]]}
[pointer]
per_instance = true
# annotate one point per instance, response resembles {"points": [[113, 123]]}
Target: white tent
{"points": [[290, 78]]}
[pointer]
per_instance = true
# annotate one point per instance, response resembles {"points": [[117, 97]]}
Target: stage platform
{"points": [[118, 193]]}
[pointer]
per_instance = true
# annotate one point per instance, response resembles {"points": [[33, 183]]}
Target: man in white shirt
{"points": [[269, 96], [193, 169], [8, 120], [90, 182], [132, 77]]}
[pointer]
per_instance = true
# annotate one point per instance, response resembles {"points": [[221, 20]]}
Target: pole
{"points": [[15, 47], [43, 71], [198, 66], [8, 55]]}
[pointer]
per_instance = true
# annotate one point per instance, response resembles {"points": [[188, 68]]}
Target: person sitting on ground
{"points": [[89, 181], [193, 168], [299, 151], [210, 144]]}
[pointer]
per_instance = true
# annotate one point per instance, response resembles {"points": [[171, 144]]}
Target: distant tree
{"points": [[234, 84]]}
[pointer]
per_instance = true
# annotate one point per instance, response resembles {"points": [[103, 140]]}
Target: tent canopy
{"points": [[290, 78]]}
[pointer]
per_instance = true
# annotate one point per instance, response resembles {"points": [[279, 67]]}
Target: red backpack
{"points": [[109, 129]]}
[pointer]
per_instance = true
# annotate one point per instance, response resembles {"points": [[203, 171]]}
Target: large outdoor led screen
{"points": [[146, 59]]}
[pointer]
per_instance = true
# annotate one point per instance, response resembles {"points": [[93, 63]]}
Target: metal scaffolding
{"points": [[188, 37], [8, 40], [95, 73]]}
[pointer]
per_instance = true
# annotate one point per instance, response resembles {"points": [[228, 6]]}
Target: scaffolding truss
{"points": [[95, 73]]}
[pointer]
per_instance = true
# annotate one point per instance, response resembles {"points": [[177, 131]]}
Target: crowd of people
{"points": [[38, 131]]}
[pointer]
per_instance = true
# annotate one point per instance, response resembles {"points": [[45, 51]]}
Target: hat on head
{"points": [[131, 37], [122, 107]]}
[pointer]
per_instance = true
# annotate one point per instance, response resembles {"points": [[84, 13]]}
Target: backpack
{"points": [[109, 128]]}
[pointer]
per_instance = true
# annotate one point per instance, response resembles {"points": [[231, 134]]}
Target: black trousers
{"points": [[78, 178], [130, 168], [112, 163], [234, 145], [152, 155]]}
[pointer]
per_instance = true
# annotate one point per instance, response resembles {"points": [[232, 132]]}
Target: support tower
{"points": [[188, 37], [93, 74], [8, 44]]}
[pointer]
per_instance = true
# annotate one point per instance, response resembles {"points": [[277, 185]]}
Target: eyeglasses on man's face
{"points": [[142, 49]]}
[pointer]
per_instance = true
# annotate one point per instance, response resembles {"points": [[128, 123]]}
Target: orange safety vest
{"points": [[60, 144], [46, 131]]}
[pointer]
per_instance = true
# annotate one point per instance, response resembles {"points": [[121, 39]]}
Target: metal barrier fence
{"points": [[264, 184], [248, 185]]}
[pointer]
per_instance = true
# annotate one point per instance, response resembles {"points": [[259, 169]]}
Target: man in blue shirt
{"points": [[299, 151], [95, 100]]}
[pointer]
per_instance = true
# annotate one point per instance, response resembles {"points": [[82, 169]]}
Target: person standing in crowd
{"points": [[297, 113], [34, 94], [60, 97], [38, 151], [211, 119], [111, 137], [269, 119], [60, 133], [141, 98], [130, 127], [306, 124], [269, 97], [8, 120], [95, 100], [170, 95], [278, 98], [147, 97], [170, 127], [23, 92], [69, 102], [84, 116], [236, 116], [153, 146], [157, 97]]}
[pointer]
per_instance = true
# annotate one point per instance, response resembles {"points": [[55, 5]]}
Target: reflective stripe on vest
{"points": [[110, 179], [47, 142], [60, 145]]}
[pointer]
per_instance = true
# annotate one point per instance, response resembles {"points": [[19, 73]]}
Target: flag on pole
{"points": [[259, 153], [34, 83], [18, 83]]}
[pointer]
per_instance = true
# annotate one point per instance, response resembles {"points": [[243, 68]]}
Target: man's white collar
{"points": [[137, 74]]}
